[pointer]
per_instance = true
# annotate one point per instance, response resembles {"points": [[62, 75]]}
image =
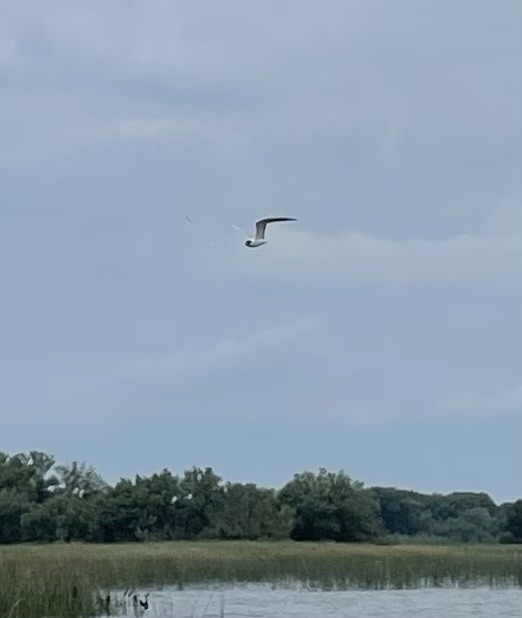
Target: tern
{"points": [[259, 237]]}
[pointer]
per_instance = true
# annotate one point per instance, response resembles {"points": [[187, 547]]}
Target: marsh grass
{"points": [[65, 579]]}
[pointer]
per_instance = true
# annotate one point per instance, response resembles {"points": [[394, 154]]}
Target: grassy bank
{"points": [[61, 580]]}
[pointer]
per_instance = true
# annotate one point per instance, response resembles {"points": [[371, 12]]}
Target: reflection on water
{"points": [[262, 600]]}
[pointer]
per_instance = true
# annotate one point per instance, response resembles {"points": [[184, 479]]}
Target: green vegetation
{"points": [[65, 579], [40, 501], [460, 516], [91, 535]]}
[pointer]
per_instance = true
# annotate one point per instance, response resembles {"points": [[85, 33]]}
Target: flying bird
{"points": [[259, 237]]}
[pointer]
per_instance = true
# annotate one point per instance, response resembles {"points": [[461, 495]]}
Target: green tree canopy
{"points": [[330, 505], [42, 501]]}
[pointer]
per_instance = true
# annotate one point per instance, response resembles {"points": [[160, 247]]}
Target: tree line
{"points": [[41, 501]]}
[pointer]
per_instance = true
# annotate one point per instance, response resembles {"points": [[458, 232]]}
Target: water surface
{"points": [[266, 601]]}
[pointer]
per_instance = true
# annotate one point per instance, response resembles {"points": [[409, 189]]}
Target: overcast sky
{"points": [[381, 333]]}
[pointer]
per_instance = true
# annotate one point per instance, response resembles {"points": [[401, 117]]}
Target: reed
{"points": [[65, 579]]}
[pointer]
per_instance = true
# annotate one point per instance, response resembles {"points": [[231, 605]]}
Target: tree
{"points": [[119, 514], [250, 512], [24, 480], [403, 512], [475, 525], [143, 510], [456, 503], [330, 505], [62, 518], [462, 516], [78, 479], [43, 502], [514, 521], [199, 504]]}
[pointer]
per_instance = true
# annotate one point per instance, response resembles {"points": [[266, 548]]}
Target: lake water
{"points": [[266, 601]]}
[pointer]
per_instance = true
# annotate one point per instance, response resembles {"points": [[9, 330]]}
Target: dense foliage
{"points": [[41, 501]]}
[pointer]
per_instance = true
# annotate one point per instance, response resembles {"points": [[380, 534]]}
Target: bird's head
{"points": [[248, 243]]}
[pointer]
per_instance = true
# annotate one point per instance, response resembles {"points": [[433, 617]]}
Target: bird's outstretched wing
{"points": [[262, 223]]}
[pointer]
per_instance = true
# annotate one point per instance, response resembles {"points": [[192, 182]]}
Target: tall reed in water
{"points": [[64, 580]]}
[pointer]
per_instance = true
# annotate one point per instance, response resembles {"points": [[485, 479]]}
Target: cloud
{"points": [[187, 365], [351, 258], [7, 49], [503, 402], [176, 72], [505, 219], [400, 158], [365, 408]]}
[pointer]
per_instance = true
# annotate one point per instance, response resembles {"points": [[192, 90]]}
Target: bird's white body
{"points": [[259, 237], [255, 243]]}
